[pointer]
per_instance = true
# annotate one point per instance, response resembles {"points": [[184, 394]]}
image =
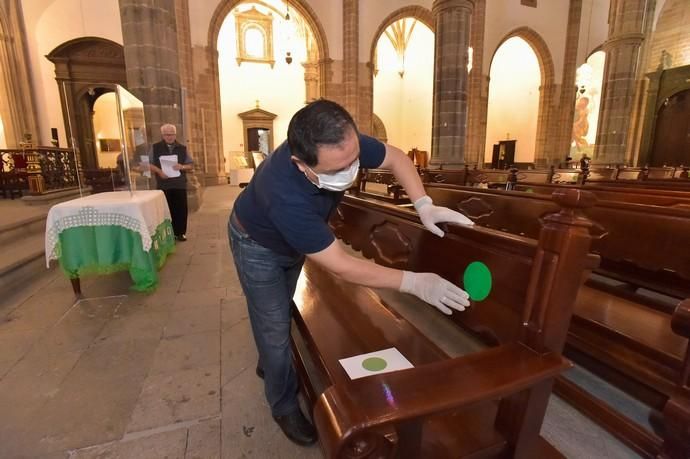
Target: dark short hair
{"points": [[322, 122]]}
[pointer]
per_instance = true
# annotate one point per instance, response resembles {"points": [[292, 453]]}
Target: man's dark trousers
{"points": [[177, 203]]}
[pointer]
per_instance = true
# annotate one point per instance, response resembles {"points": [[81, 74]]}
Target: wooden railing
{"points": [[39, 169]]}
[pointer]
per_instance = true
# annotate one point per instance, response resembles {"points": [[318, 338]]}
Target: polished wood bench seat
{"points": [[487, 404], [338, 320]]}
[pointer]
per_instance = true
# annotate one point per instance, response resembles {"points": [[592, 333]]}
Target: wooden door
{"points": [[672, 134]]}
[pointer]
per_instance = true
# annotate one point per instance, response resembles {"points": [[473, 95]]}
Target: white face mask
{"points": [[339, 181]]}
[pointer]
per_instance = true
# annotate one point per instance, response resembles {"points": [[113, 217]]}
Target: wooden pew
{"points": [[658, 264], [487, 404], [570, 176], [448, 176], [664, 198], [381, 184], [667, 178], [610, 334], [104, 179], [492, 178]]}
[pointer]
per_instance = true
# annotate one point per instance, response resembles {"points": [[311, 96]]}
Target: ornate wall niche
{"points": [[255, 120], [254, 37]]}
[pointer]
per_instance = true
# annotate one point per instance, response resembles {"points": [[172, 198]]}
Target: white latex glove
{"points": [[435, 290], [431, 214]]}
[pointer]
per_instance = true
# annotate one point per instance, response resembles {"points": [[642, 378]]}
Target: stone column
{"points": [[149, 33], [191, 133], [311, 81], [626, 21], [16, 94], [452, 20], [478, 84], [351, 56], [561, 146]]}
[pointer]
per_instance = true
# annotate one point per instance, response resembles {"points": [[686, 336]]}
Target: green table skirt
{"points": [[86, 250]]}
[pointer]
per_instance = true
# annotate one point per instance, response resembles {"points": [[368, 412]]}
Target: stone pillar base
{"points": [[195, 193], [215, 179]]}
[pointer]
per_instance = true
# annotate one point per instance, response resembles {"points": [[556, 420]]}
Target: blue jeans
{"points": [[269, 280]]}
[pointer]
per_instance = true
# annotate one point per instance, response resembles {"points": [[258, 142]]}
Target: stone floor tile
{"points": [[202, 280], [14, 344], [187, 352], [238, 352], [207, 260], [85, 411], [38, 312], [203, 441], [6, 366], [248, 427], [232, 311], [192, 320], [210, 297], [166, 445], [44, 369], [179, 396], [132, 326]]}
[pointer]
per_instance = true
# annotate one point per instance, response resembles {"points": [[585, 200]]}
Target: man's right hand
{"points": [[158, 171], [435, 290]]}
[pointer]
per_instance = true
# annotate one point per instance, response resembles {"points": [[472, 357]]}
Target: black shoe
{"points": [[260, 372], [181, 238], [297, 428]]}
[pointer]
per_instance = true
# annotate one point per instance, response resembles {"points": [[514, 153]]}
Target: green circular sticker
{"points": [[477, 281], [374, 364]]}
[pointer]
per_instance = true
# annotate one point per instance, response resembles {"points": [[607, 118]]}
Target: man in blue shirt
{"points": [[282, 216]]}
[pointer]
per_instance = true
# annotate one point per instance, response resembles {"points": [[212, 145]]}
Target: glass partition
{"points": [[135, 145], [108, 148]]}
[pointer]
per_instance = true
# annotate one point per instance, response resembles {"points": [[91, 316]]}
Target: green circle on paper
{"points": [[477, 281], [374, 364]]}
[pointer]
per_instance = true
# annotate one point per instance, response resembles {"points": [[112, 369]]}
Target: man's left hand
{"points": [[178, 167], [431, 215]]}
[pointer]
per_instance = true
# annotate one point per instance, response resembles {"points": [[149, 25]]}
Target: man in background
{"points": [[175, 188]]}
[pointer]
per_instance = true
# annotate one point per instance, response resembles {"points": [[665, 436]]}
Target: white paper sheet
{"points": [[167, 163], [375, 363]]}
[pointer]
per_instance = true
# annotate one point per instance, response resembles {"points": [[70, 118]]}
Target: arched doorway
{"points": [[86, 68], [312, 64], [402, 57], [106, 129], [521, 88], [513, 100]]}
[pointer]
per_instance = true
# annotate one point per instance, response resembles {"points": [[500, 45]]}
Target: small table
{"points": [[109, 232]]}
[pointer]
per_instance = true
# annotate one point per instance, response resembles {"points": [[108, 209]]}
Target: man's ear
{"points": [[300, 164]]}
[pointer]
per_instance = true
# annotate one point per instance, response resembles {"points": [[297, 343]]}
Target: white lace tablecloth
{"points": [[141, 211]]}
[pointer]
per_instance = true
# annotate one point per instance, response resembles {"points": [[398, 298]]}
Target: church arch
{"points": [[546, 88]]}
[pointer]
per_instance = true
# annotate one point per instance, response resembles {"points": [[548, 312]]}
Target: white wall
{"points": [[405, 104], [105, 126], [48, 25], [280, 90], [514, 99], [549, 20], [329, 13]]}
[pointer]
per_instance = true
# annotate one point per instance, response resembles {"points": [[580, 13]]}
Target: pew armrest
{"points": [[342, 414]]}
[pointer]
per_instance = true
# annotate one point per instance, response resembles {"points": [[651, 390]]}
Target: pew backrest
{"points": [[642, 244]]}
